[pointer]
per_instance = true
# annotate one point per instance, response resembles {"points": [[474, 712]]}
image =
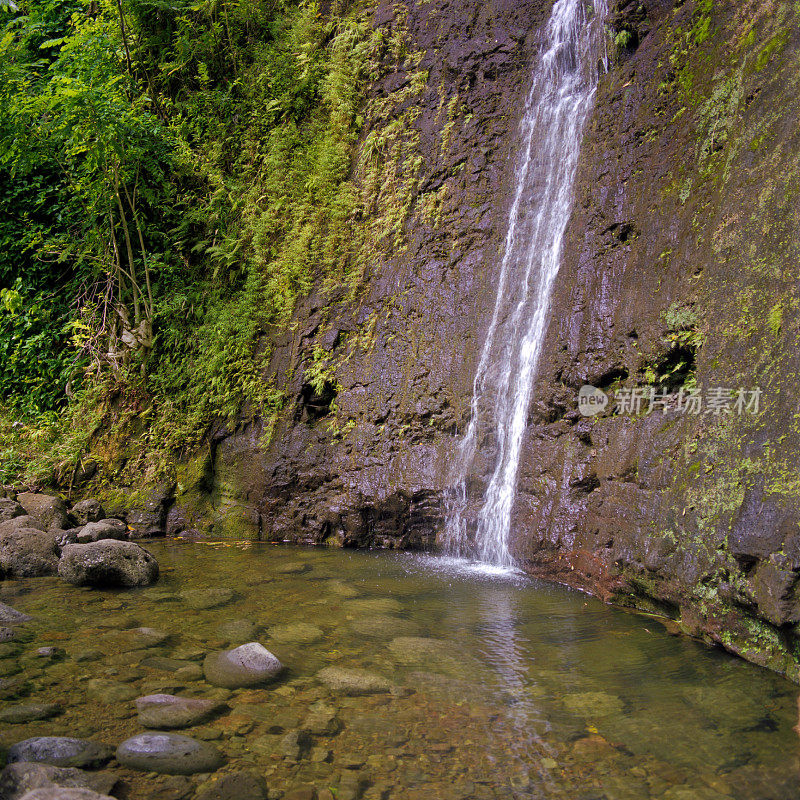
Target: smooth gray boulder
{"points": [[9, 509], [169, 753], [60, 751], [104, 529], [107, 563], [18, 779], [87, 511], [354, 682], [247, 665], [62, 793], [166, 711], [28, 553], [48, 509]]}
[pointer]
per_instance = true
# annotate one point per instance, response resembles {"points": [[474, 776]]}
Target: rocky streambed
{"points": [[254, 671]]}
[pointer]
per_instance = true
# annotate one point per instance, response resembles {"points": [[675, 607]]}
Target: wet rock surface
{"points": [[164, 711], [242, 785], [18, 779], [353, 682], [247, 665], [86, 511], [102, 529], [61, 751], [169, 753], [28, 552], [50, 510], [10, 616], [60, 793], [107, 563]]}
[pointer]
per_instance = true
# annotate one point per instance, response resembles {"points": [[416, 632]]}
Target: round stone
{"points": [[164, 711], [107, 563], [60, 751], [169, 753], [247, 665]]}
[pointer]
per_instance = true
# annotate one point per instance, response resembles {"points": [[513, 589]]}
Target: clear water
{"points": [[558, 105], [521, 689]]}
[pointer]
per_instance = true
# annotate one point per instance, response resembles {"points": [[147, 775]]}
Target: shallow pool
{"points": [[501, 686]]}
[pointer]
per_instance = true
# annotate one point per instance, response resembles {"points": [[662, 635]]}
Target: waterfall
{"points": [[557, 108]]}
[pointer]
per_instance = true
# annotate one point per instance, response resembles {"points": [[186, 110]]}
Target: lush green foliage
{"points": [[174, 175]]}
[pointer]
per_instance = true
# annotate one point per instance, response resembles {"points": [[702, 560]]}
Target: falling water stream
{"points": [[557, 108]]}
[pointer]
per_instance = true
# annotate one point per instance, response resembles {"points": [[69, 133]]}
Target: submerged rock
{"points": [[107, 563], [237, 631], [10, 616], [593, 704], [164, 711], [103, 529], [243, 785], [201, 599], [354, 682], [60, 751], [384, 626], [247, 665], [29, 712], [28, 553], [18, 779], [293, 568], [110, 692], [169, 753], [141, 638], [373, 605], [296, 633]]}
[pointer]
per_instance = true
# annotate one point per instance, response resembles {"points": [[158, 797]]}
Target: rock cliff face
{"points": [[679, 272]]}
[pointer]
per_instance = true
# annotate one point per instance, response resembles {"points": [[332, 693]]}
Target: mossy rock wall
{"points": [[680, 267]]}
